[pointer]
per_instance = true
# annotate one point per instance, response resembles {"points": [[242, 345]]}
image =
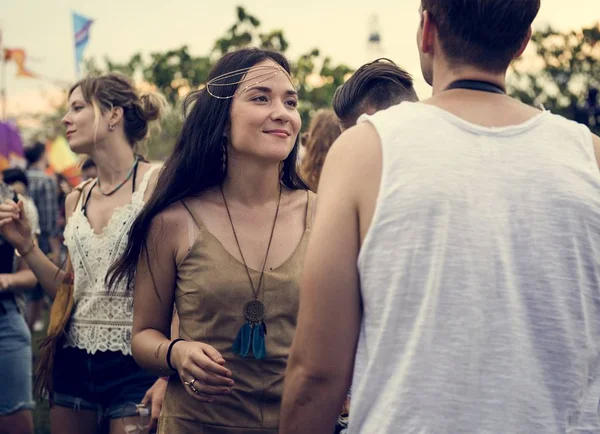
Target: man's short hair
{"points": [[377, 85], [12, 175], [35, 152], [483, 33], [88, 164]]}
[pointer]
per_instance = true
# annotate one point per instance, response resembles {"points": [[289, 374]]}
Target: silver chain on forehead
{"points": [[267, 72]]}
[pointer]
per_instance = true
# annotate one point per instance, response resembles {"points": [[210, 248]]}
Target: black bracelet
{"points": [[169, 353]]}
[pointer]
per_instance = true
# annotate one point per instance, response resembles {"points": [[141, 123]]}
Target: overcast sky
{"points": [[339, 28]]}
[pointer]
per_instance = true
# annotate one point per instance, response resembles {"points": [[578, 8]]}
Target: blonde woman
{"points": [[94, 377]]}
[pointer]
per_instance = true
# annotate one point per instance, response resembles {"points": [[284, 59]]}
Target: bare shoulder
{"points": [[73, 197], [596, 141], [358, 140], [145, 168], [526, 108], [71, 200], [168, 231], [171, 219], [357, 152], [298, 201], [296, 198], [352, 175]]}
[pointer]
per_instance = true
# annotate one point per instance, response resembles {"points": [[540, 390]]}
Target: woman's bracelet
{"points": [[169, 353], [157, 352], [27, 251]]}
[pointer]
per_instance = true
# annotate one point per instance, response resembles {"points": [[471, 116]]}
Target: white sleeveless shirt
{"points": [[480, 278], [101, 322]]}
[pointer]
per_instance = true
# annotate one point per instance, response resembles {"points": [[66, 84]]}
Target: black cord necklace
{"points": [[89, 195], [122, 183], [479, 85]]}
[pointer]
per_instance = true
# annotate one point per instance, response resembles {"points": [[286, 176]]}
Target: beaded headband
{"points": [[267, 72]]}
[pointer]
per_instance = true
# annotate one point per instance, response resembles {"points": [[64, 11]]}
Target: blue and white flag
{"points": [[81, 28]]}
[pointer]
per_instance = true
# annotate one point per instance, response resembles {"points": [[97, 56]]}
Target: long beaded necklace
{"points": [[122, 183], [254, 329]]}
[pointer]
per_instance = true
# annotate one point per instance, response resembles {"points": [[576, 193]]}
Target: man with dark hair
{"points": [[16, 178], [452, 271], [374, 86], [43, 191]]}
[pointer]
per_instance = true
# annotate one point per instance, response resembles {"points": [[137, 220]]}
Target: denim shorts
{"points": [[107, 382], [15, 360]]}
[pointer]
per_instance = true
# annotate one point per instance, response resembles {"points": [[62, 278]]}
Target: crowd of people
{"points": [[446, 280]]}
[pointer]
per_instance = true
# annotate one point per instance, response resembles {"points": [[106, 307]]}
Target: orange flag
{"points": [[18, 56], [62, 160]]}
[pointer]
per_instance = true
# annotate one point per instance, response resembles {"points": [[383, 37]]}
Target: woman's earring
{"points": [[111, 127], [224, 153]]}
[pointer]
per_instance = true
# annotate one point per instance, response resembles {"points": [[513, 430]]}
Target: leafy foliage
{"points": [[560, 74]]}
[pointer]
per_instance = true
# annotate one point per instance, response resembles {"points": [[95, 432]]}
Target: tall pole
{"points": [[3, 85], [2, 76]]}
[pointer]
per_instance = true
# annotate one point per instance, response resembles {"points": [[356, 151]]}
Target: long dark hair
{"points": [[196, 163]]}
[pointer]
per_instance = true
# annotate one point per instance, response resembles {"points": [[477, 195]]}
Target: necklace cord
{"points": [[256, 290], [122, 183]]}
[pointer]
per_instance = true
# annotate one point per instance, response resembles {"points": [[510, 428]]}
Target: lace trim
{"points": [[101, 322], [99, 338]]}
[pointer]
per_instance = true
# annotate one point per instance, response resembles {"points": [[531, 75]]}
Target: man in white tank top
{"points": [[453, 271]]}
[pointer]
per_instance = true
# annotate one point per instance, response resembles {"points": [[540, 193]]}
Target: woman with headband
{"points": [[86, 367], [223, 237]]}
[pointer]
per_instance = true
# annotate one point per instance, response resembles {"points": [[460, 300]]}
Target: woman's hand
{"points": [[6, 282], [15, 226], [201, 370], [155, 397]]}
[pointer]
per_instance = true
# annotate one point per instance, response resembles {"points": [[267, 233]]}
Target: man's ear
{"points": [[429, 32]]}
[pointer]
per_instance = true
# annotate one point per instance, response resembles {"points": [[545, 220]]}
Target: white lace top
{"points": [[101, 322]]}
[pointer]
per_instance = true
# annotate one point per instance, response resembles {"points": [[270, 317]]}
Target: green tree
{"points": [[316, 81], [162, 139], [176, 72], [560, 72], [246, 32]]}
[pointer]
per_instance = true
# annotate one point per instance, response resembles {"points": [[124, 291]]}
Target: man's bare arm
{"points": [[322, 357], [596, 141]]}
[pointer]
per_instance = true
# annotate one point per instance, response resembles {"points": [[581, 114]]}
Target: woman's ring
{"points": [[190, 384]]}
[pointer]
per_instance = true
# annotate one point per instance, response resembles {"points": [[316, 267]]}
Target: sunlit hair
{"points": [[112, 90], [324, 130]]}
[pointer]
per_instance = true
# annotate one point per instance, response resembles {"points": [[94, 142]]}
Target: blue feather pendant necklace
{"points": [[253, 332]]}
